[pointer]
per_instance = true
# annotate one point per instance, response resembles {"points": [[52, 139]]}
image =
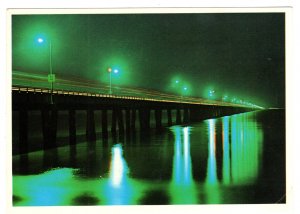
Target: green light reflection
{"points": [[212, 189], [182, 178], [61, 186], [55, 187], [246, 148], [241, 149], [226, 151], [120, 189]]}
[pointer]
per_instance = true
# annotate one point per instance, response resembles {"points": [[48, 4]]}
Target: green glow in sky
{"points": [[203, 48], [121, 64]]}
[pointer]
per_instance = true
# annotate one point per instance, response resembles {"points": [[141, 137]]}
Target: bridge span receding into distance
{"points": [[118, 113]]}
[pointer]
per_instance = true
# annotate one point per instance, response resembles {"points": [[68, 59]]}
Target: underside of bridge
{"points": [[89, 115]]}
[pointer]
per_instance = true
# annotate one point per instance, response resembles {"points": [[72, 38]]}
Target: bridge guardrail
{"points": [[165, 98]]}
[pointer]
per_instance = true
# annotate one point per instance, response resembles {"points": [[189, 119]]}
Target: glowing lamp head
{"points": [[40, 40], [109, 70], [116, 71]]}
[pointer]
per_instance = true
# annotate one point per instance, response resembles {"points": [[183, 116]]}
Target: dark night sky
{"points": [[240, 55]]}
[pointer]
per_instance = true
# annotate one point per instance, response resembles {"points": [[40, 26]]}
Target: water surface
{"points": [[229, 160]]}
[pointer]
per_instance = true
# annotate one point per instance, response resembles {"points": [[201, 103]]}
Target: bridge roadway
{"points": [[125, 111]]}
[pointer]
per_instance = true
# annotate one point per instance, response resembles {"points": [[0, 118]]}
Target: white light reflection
{"points": [[120, 188], [182, 179], [187, 156], [119, 169], [211, 183], [211, 163]]}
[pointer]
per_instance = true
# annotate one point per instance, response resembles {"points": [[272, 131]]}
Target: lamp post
{"points": [[51, 76], [183, 92], [110, 70]]}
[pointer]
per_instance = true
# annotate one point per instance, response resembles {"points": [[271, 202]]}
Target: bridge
{"points": [[125, 110], [122, 112]]}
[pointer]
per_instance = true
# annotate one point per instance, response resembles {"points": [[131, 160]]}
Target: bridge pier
{"points": [[90, 126], [127, 118], [158, 117], [72, 127], [104, 123], [186, 115], [133, 118], [178, 116], [114, 121], [23, 127], [49, 126], [120, 121], [169, 113], [144, 117]]}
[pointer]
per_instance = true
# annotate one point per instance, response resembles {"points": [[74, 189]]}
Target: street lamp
{"points": [[51, 76], [110, 70], [211, 93]]}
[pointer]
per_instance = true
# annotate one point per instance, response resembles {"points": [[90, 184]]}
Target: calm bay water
{"points": [[233, 159]]}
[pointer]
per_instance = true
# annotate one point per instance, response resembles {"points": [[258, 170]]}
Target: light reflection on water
{"points": [[246, 148], [182, 178], [211, 182], [118, 169], [234, 156], [226, 151]]}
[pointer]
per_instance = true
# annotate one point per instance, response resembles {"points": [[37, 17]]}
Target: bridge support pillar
{"points": [[169, 113], [72, 127], [198, 114], [186, 115], [104, 123], [194, 115], [158, 117], [90, 126], [23, 127], [144, 117], [120, 121], [114, 121], [49, 125], [127, 116], [178, 116], [133, 118]]}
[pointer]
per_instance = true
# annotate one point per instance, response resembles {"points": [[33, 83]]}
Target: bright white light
{"points": [[116, 71], [211, 162], [117, 166], [186, 150], [40, 40]]}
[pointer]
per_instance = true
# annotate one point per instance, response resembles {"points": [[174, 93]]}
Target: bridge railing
{"points": [[156, 96]]}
